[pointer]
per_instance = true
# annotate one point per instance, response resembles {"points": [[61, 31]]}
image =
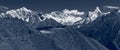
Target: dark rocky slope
{"points": [[104, 29]]}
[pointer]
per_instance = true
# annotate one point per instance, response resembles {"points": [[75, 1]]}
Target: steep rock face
{"points": [[104, 29]]}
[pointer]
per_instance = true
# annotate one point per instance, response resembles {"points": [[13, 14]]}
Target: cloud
{"points": [[3, 8], [112, 7]]}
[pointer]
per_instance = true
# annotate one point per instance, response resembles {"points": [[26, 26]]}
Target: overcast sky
{"points": [[52, 5]]}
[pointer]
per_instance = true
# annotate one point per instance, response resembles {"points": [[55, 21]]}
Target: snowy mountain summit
{"points": [[92, 15], [66, 17], [21, 13]]}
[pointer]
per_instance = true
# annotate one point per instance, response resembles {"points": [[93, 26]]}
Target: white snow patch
{"points": [[2, 15], [45, 31], [118, 11]]}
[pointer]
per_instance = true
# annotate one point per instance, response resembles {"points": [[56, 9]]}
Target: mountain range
{"points": [[24, 29]]}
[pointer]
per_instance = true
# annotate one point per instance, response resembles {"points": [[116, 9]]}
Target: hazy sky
{"points": [[52, 5]]}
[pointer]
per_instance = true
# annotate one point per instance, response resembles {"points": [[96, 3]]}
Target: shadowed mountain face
{"points": [[15, 34], [33, 31], [104, 29]]}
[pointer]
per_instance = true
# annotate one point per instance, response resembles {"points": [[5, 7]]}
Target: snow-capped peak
{"points": [[93, 15], [66, 17], [21, 13], [97, 10]]}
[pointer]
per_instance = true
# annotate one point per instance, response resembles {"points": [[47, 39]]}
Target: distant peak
{"points": [[94, 14], [21, 13], [24, 9], [97, 10], [65, 17]]}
